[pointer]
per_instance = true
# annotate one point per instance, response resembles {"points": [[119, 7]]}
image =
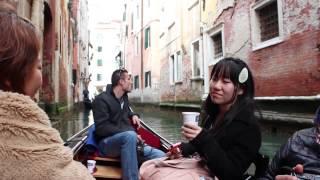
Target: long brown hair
{"points": [[19, 49]]}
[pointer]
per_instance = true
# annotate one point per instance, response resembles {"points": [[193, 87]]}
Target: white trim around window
{"points": [[209, 33], [175, 67], [255, 25], [196, 50]]}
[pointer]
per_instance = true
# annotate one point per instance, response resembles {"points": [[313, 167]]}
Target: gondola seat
{"points": [[106, 167]]}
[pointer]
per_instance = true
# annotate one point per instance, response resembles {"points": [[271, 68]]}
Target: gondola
{"points": [[110, 168]]}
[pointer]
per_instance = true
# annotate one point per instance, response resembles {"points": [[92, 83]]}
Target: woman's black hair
{"points": [[230, 68]]}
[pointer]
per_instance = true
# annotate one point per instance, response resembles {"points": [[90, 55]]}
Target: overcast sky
{"points": [[104, 10]]}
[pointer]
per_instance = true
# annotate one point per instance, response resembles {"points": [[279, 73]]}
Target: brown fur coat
{"points": [[29, 147]]}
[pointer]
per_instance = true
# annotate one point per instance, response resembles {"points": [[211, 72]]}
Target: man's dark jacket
{"points": [[301, 148], [109, 117], [229, 150]]}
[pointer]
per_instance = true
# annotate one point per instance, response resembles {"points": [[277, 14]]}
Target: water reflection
{"points": [[71, 122], [168, 124], [164, 122]]}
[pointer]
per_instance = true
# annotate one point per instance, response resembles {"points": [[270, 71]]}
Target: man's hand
{"points": [[190, 131], [136, 121], [298, 169], [139, 138]]}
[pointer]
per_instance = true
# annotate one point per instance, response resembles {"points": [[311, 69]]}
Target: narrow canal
{"points": [[167, 122]]}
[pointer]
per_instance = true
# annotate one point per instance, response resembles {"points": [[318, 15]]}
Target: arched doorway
{"points": [[47, 93]]}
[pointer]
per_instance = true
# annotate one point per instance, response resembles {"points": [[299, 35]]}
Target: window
{"points": [[196, 59], [138, 9], [99, 48], [217, 45], [136, 82], [179, 67], [125, 13], [175, 63], [126, 30], [266, 23], [99, 77], [131, 21], [147, 38], [124, 16], [99, 62], [268, 16], [147, 79], [136, 45], [172, 69], [99, 38]]}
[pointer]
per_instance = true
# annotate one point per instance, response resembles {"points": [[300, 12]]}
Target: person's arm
{"points": [[277, 161], [229, 163], [297, 169], [189, 131], [187, 149], [134, 117]]}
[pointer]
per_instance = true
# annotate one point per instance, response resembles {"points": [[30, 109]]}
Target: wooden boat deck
{"points": [[107, 172], [107, 159], [107, 168]]}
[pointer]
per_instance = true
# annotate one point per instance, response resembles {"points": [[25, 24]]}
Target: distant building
{"points": [[105, 40], [80, 67], [140, 40]]}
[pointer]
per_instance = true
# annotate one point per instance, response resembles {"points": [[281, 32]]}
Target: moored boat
{"points": [[110, 168]]}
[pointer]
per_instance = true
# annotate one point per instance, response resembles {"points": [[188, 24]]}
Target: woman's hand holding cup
{"points": [[190, 128], [190, 131]]}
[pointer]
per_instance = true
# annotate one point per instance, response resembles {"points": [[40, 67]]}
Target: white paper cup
{"points": [[91, 164], [190, 117]]}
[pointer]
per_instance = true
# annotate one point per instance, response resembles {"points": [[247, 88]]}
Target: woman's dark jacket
{"points": [[109, 117], [301, 148], [230, 149]]}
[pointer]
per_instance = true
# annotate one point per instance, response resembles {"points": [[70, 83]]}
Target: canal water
{"points": [[167, 122]]}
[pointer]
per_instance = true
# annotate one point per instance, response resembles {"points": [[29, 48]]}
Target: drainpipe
{"points": [[141, 47], [205, 73], [204, 64]]}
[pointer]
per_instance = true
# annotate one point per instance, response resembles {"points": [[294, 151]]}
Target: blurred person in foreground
{"points": [[29, 147], [300, 156]]}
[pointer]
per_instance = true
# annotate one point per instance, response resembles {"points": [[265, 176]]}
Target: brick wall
{"points": [[291, 68]]}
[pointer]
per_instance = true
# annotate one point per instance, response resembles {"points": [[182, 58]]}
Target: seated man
{"points": [[114, 123], [302, 148]]}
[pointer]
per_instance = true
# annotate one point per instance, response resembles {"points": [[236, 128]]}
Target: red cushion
{"points": [[149, 138]]}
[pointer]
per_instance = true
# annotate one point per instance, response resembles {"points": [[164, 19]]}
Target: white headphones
{"points": [[243, 75]]}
